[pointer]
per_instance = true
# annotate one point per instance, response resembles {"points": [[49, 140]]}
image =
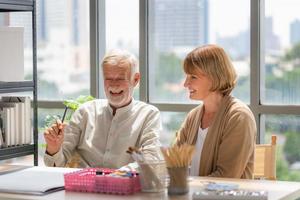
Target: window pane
{"points": [[63, 49], [122, 27], [176, 27], [171, 122], [287, 129], [22, 19], [281, 71]]}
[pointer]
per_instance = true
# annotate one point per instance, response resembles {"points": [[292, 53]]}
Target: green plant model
{"points": [[69, 105]]}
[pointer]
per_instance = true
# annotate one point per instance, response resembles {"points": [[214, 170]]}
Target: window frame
{"points": [[256, 70], [97, 50]]}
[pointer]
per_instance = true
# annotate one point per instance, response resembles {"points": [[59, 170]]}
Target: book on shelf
{"points": [[7, 122], [15, 117], [1, 139]]}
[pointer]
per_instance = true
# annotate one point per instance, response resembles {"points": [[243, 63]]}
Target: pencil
{"points": [[64, 115], [62, 119]]}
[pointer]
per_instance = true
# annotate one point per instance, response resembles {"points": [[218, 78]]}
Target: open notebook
{"points": [[34, 180]]}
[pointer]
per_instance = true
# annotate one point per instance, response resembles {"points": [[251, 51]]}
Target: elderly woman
{"points": [[222, 128]]}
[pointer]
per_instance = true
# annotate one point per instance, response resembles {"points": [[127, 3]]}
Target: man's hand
{"points": [[54, 137]]}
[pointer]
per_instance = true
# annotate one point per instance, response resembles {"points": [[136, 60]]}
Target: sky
{"points": [[227, 18], [122, 21], [283, 12]]}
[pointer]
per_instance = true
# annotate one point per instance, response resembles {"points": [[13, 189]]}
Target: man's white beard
{"points": [[119, 101]]}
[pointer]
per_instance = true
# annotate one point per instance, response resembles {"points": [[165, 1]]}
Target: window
{"points": [[160, 33], [177, 27], [281, 71], [122, 25], [171, 122], [63, 49], [279, 80]]}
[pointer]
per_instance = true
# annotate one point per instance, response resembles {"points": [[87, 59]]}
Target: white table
{"points": [[276, 190]]}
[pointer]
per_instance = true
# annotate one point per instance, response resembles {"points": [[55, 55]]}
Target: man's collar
{"points": [[121, 110]]}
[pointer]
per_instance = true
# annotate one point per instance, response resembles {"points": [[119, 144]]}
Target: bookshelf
{"points": [[8, 6]]}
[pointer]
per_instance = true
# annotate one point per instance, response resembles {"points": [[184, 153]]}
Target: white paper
{"points": [[34, 180]]}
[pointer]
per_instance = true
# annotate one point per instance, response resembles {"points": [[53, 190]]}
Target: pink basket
{"points": [[86, 180]]}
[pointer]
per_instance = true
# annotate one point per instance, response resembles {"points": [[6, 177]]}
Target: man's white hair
{"points": [[117, 56]]}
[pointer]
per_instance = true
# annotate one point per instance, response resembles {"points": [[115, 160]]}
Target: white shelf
{"points": [[16, 5]]}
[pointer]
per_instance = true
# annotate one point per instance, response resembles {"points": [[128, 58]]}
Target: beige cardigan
{"points": [[228, 150]]}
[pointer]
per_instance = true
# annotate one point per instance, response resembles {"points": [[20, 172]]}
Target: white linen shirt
{"points": [[102, 139]]}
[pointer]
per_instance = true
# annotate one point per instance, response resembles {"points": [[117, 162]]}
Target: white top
{"points": [[194, 171], [102, 139]]}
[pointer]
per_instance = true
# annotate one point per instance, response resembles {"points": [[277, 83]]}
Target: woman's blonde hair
{"points": [[214, 63]]}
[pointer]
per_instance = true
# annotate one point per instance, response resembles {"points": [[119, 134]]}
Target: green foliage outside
{"points": [[171, 127], [285, 89], [169, 72], [287, 154], [170, 69], [242, 89], [291, 147], [282, 170], [293, 53]]}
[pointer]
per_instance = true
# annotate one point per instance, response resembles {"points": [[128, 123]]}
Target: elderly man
{"points": [[101, 131]]}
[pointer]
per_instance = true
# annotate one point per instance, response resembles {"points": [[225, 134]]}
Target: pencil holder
{"points": [[153, 176], [178, 180]]}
